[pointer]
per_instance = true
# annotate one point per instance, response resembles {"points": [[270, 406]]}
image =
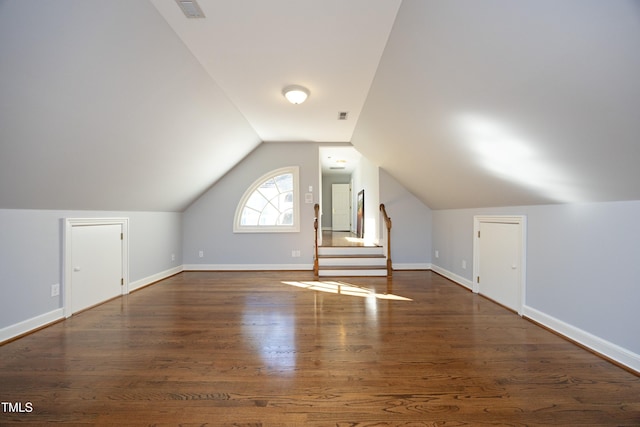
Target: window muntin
{"points": [[270, 204]]}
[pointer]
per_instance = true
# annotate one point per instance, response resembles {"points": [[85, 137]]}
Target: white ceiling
{"points": [[336, 160], [253, 49], [128, 105]]}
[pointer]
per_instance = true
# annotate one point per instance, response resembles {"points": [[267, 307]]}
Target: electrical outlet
{"points": [[173, 257], [295, 253], [437, 254], [464, 264], [55, 290], [201, 254]]}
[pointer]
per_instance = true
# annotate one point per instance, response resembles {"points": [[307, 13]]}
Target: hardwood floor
{"points": [[247, 349]]}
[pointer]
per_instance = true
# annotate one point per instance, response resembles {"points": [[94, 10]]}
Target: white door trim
{"points": [[520, 220], [69, 223]]}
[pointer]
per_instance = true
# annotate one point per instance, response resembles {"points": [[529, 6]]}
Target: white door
{"points": [[499, 263], [341, 207], [96, 261]]}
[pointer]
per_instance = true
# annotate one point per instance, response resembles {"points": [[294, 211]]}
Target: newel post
{"points": [[316, 267], [387, 221]]}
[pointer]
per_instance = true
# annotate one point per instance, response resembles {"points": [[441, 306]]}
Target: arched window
{"points": [[270, 204]]}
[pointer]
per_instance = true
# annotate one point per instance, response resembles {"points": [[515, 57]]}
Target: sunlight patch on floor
{"points": [[354, 240], [360, 241], [342, 288]]}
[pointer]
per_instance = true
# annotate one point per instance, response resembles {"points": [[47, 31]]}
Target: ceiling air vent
{"points": [[190, 8], [342, 115], [336, 167]]}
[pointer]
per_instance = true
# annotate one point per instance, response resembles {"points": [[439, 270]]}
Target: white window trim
{"points": [[237, 228]]}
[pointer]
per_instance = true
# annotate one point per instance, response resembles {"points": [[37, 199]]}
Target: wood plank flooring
{"points": [[246, 349]]}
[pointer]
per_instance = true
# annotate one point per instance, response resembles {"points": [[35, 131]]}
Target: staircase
{"points": [[351, 261]]}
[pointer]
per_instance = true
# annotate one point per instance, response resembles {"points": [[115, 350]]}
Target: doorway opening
{"points": [[344, 219]]}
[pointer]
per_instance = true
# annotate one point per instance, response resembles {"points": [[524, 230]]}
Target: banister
{"points": [[316, 268], [387, 221]]}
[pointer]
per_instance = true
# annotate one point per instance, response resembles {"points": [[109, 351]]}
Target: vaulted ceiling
{"points": [[499, 102], [129, 105]]}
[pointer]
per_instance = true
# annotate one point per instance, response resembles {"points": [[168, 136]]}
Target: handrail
{"points": [[316, 268], [387, 221]]}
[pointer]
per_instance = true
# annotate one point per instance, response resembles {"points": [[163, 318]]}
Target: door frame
{"points": [[521, 221], [67, 263]]}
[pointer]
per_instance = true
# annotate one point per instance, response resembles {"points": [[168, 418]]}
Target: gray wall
{"points": [[583, 262], [208, 223], [31, 247], [411, 224]]}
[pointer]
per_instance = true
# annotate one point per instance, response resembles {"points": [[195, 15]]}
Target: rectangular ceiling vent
{"points": [[342, 115], [190, 8], [336, 167]]}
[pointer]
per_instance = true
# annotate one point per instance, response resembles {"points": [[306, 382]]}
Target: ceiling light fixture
{"points": [[295, 94]]}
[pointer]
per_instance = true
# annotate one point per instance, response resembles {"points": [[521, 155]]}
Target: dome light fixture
{"points": [[295, 94]]}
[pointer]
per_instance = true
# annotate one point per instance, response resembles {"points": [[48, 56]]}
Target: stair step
{"points": [[352, 270], [353, 267], [352, 260], [351, 250], [353, 256]]}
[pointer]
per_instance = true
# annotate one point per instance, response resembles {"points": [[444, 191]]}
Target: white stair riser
{"points": [[352, 273], [362, 250], [352, 261]]}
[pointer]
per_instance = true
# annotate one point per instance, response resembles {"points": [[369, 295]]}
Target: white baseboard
{"points": [[452, 276], [153, 278], [612, 351], [247, 267], [411, 266], [30, 324]]}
